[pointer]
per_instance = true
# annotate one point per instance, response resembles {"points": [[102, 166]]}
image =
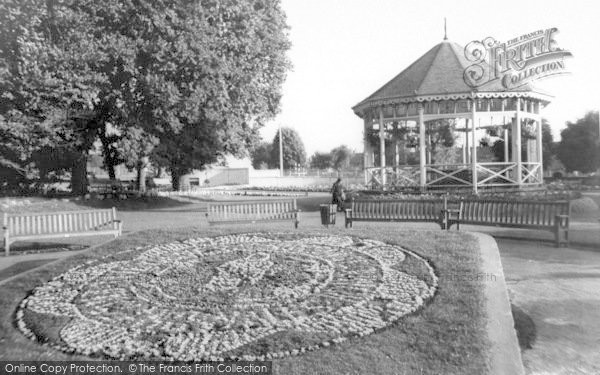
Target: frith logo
{"points": [[516, 62]]}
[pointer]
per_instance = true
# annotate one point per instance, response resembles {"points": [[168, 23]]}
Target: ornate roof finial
{"points": [[445, 32]]}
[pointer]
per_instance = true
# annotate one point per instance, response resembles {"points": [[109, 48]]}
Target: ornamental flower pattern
{"points": [[208, 298]]}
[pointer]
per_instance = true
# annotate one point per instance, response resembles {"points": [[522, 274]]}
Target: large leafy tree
{"points": [[579, 148], [217, 82], [186, 150], [164, 66], [294, 154], [49, 83]]}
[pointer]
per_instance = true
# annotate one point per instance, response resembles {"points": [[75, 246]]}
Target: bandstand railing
{"points": [[489, 174], [401, 176]]}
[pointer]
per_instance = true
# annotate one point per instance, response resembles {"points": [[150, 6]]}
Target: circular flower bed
{"points": [[250, 296]]}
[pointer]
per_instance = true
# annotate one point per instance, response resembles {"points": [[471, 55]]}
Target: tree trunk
{"points": [[111, 172], [79, 183], [107, 153], [175, 175], [141, 175]]}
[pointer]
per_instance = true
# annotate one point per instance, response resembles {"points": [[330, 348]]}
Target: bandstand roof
{"points": [[438, 75]]}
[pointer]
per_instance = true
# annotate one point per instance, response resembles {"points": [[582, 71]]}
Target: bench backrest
{"points": [[532, 213], [398, 209], [60, 222], [252, 210]]}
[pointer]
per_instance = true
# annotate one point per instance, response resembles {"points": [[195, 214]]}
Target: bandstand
{"points": [[409, 111]]}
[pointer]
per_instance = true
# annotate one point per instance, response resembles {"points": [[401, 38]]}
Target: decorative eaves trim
{"points": [[373, 103]]}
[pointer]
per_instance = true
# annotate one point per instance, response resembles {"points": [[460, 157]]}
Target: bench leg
{"points": [[442, 223], [561, 237], [6, 246], [561, 230], [348, 218], [296, 224]]}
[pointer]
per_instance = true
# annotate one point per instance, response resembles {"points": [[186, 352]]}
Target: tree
{"points": [[48, 82], [340, 157], [136, 147], [440, 132], [191, 148], [357, 161], [293, 149], [548, 148], [161, 66], [320, 160], [579, 148], [261, 156]]}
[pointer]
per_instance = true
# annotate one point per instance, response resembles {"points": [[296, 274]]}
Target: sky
{"points": [[344, 50]]}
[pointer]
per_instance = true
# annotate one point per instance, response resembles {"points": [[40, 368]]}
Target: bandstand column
{"points": [[464, 149], [516, 135], [382, 146], [539, 151], [464, 145], [368, 149], [474, 145], [423, 172], [467, 141], [506, 151]]}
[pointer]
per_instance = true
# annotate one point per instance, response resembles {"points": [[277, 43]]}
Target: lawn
{"points": [[445, 335], [21, 267]]}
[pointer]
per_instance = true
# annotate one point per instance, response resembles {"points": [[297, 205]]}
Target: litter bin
{"points": [[328, 214]]}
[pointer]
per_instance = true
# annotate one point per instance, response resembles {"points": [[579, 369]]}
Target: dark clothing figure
{"points": [[338, 195]]}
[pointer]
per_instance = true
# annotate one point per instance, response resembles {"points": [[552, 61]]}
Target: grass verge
{"points": [[20, 267]]}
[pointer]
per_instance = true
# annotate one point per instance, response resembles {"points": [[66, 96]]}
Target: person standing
{"points": [[338, 196]]}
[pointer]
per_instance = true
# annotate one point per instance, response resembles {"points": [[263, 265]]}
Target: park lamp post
{"points": [[280, 153]]}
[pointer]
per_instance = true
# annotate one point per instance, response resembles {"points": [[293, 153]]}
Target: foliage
{"points": [[548, 149], [136, 147], [48, 82], [579, 148], [485, 141], [261, 156], [191, 148], [293, 149], [357, 160], [320, 160], [447, 155], [340, 157], [70, 67], [584, 205], [441, 132]]}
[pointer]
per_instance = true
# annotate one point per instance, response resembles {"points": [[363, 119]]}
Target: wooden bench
{"points": [[544, 215], [397, 210], [252, 211], [33, 226]]}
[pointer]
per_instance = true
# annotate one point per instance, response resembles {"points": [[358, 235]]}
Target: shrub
{"points": [[584, 205]]}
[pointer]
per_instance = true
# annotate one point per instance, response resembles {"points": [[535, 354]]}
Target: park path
{"points": [[560, 291], [558, 288]]}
